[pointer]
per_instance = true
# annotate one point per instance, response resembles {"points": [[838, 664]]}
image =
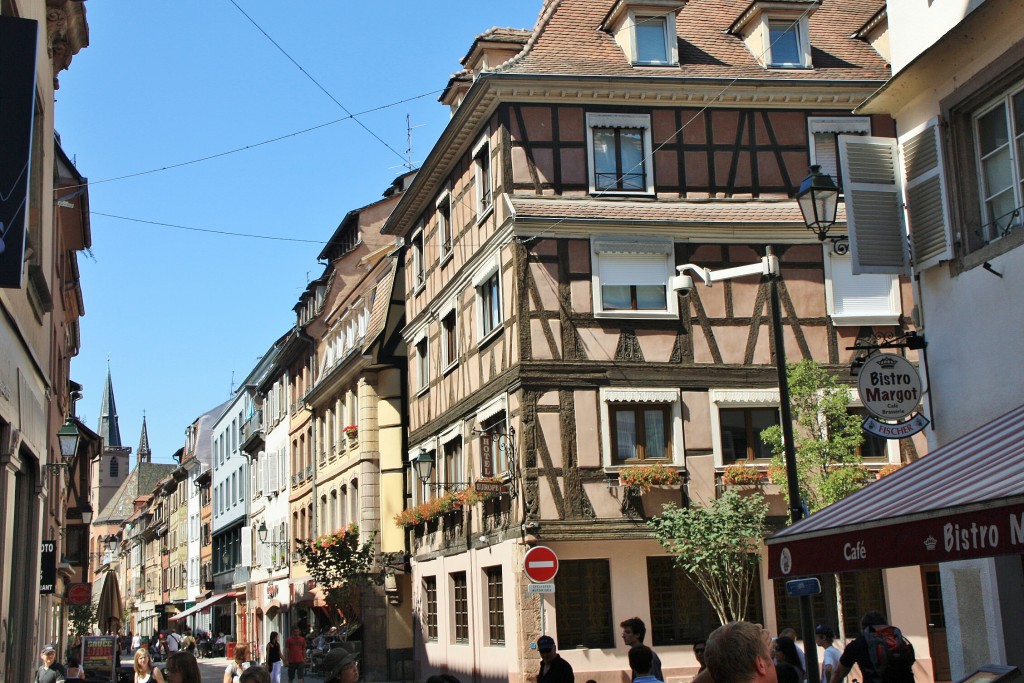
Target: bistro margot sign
{"points": [[889, 386]]}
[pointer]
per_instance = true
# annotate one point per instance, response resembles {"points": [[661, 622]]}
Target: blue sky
{"points": [[179, 311]]}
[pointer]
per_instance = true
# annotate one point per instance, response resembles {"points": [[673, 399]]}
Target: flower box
{"points": [[645, 477], [744, 475]]}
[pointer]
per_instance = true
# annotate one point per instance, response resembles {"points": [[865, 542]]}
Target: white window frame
{"points": [[421, 492], [840, 125], [659, 395], [482, 151], [642, 121], [448, 364], [639, 246], [422, 363], [803, 41], [490, 269], [452, 433], [991, 234], [735, 398], [671, 45], [887, 314], [892, 446], [417, 245], [486, 415], [444, 224]]}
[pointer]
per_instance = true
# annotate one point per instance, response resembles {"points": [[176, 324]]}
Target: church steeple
{"points": [[108, 427], [144, 454]]}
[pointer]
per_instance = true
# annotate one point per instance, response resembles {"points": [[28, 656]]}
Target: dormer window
{"points": [[776, 32], [645, 30]]}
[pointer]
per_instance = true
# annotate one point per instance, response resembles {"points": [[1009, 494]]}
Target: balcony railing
{"points": [[252, 433]]}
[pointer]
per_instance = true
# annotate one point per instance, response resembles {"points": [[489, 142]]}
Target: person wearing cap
{"points": [[824, 637], [50, 671], [553, 669], [341, 666]]}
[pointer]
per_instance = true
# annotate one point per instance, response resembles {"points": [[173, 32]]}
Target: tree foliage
{"points": [[343, 567], [718, 547], [81, 618], [826, 437]]}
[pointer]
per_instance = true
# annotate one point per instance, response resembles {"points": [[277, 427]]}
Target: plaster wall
{"points": [[916, 24]]}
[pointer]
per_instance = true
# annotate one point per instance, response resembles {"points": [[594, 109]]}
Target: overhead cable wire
{"points": [[207, 230], [317, 83]]}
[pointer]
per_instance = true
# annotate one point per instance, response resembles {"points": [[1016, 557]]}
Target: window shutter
{"points": [[927, 212], [246, 546], [272, 475], [860, 295], [825, 154], [633, 269], [874, 213]]}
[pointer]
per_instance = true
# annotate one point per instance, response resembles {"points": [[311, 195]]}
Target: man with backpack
{"points": [[881, 652]]}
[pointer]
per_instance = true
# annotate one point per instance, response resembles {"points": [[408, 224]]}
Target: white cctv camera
{"points": [[682, 284]]}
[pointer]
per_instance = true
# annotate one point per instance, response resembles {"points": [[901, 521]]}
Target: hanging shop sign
{"points": [[48, 568], [889, 386], [895, 430]]}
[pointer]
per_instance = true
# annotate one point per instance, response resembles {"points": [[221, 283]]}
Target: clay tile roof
{"points": [[567, 41], [498, 35], [717, 211]]}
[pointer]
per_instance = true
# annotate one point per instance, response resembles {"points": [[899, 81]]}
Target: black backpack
{"points": [[892, 655]]}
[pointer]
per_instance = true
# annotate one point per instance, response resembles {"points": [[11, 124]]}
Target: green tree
{"points": [[718, 547], [826, 438], [81, 618], [343, 567]]}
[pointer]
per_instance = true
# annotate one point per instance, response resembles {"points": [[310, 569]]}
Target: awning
{"points": [[962, 501], [205, 604]]}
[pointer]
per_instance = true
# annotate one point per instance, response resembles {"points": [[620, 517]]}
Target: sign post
{"points": [[541, 565]]}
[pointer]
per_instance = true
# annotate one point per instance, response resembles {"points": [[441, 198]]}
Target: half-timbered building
{"points": [[584, 162]]}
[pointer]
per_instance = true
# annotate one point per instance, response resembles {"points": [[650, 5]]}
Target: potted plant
{"points": [[645, 477], [743, 475], [887, 470], [352, 432]]}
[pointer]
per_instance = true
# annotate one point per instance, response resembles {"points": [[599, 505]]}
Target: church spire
{"points": [[108, 427], [144, 454]]}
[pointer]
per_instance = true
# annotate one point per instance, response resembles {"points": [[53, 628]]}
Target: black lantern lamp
{"points": [[67, 437], [424, 465], [818, 198]]}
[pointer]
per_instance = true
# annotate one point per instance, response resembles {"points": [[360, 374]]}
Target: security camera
{"points": [[682, 284]]}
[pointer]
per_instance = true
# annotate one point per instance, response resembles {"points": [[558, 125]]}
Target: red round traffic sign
{"points": [[540, 564], [79, 593]]}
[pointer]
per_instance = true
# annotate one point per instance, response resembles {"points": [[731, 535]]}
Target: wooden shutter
{"points": [[927, 211], [874, 211], [272, 473]]}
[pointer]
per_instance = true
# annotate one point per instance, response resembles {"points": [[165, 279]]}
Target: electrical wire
{"points": [[316, 82], [206, 230]]}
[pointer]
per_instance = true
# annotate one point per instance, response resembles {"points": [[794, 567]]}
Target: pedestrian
{"points": [[341, 666], [74, 670], [182, 667], [698, 651], [255, 674], [858, 652], [136, 641], [787, 662], [641, 661], [274, 658], [791, 634], [553, 669], [823, 638], [173, 642], [633, 632], [188, 643], [50, 670], [738, 652], [233, 671], [446, 678], [295, 655], [144, 669]]}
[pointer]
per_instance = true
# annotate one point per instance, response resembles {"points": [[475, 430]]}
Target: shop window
{"points": [[583, 598]]}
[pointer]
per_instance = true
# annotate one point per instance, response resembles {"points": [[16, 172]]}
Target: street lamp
{"points": [[818, 198], [769, 266], [68, 437], [261, 532], [86, 513]]}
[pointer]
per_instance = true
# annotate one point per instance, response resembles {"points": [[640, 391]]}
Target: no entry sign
{"points": [[540, 564]]}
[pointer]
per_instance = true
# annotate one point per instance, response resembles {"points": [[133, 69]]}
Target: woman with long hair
{"points": [[274, 658], [183, 668], [145, 672], [240, 663], [787, 661]]}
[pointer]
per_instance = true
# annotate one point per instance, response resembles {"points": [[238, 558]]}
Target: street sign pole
{"points": [[541, 565]]}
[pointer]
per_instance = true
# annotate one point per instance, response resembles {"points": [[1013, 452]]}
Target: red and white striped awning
{"points": [[962, 501]]}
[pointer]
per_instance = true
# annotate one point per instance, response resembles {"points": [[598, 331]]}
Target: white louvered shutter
{"points": [[272, 477], [874, 210], [927, 211], [246, 546]]}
